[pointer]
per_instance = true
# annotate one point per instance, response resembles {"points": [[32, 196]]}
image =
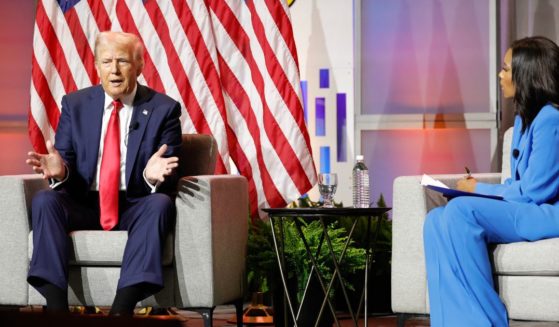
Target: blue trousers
{"points": [[459, 274], [148, 221]]}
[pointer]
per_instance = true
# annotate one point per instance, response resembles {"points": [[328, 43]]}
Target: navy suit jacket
{"points": [[155, 121]]}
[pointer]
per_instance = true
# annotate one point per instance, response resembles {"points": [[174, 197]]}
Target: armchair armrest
{"points": [[16, 193], [411, 203], [210, 239]]}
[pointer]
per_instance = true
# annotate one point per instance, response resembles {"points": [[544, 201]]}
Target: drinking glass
{"points": [[327, 184]]}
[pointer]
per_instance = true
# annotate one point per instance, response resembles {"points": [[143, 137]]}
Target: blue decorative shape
{"points": [[320, 116], [305, 94], [324, 78], [341, 127], [324, 159]]}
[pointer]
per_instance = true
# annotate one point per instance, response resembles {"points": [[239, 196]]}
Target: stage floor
{"points": [[222, 317]]}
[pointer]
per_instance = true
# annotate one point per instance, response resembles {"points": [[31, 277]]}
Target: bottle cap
{"points": [[359, 157]]}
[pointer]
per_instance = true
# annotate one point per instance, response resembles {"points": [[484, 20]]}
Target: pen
{"points": [[468, 172]]}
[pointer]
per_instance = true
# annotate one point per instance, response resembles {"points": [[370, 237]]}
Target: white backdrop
{"points": [[324, 37]]}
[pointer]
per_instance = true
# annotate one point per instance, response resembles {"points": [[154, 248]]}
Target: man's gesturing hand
{"points": [[158, 167], [50, 165]]}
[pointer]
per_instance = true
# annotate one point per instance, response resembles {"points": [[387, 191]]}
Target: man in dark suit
{"points": [[112, 167]]}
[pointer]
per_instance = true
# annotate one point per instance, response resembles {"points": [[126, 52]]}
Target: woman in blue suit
{"points": [[459, 275]]}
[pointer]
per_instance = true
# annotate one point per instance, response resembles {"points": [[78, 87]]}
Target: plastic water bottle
{"points": [[360, 184]]}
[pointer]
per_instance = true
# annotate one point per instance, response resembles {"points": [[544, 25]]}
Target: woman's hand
{"points": [[467, 184]]}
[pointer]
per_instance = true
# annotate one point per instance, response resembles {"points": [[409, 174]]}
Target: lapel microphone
{"points": [[515, 153], [133, 126]]}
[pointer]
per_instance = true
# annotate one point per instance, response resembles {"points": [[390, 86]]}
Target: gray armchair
{"points": [[204, 259], [526, 273]]}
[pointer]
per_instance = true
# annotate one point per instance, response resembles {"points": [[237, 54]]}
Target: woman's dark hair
{"points": [[535, 75]]}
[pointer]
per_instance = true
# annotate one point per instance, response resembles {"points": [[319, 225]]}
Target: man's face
{"points": [[117, 68]]}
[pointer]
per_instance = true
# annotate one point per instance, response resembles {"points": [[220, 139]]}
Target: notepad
{"points": [[450, 193]]}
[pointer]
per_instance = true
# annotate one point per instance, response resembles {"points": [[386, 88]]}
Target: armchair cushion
{"points": [[102, 248], [540, 258]]}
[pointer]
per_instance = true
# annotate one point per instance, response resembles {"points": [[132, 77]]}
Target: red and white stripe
{"points": [[231, 64]]}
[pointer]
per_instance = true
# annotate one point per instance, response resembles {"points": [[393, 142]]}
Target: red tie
{"points": [[110, 171]]}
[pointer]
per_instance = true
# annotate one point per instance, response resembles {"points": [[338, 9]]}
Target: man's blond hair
{"points": [[127, 39]]}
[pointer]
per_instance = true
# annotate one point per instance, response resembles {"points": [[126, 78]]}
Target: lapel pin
{"points": [[145, 112]]}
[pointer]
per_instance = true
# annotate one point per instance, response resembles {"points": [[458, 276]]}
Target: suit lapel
{"points": [[140, 117], [523, 146], [94, 113], [517, 145]]}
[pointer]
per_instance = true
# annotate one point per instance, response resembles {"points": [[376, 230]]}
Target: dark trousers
{"points": [[147, 219]]}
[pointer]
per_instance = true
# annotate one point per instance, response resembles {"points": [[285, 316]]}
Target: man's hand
{"points": [[49, 165], [467, 184], [158, 167]]}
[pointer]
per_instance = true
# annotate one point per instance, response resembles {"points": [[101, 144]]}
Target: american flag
{"points": [[232, 64]]}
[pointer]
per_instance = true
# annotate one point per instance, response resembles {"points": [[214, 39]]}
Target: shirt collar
{"points": [[127, 100]]}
